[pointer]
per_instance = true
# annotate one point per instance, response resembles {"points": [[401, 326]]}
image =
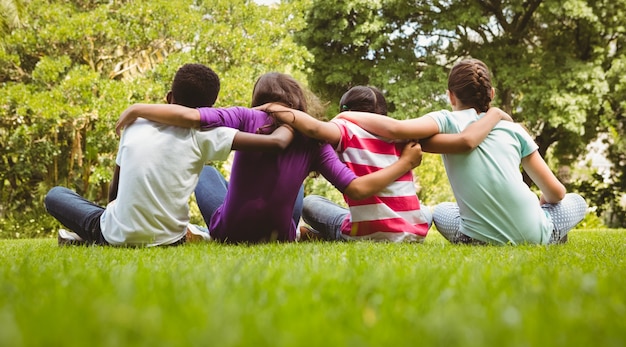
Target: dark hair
{"points": [[195, 85], [470, 81], [280, 88], [364, 99]]}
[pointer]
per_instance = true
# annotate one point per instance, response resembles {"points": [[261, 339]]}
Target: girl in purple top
{"points": [[259, 202]]}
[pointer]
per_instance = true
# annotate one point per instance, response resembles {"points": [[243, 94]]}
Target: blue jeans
{"points": [[76, 213], [211, 192], [324, 216]]}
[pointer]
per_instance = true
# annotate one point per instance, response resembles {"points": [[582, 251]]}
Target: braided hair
{"points": [[470, 81]]}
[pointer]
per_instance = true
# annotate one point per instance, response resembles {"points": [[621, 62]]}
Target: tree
{"points": [[69, 70], [554, 63], [12, 12]]}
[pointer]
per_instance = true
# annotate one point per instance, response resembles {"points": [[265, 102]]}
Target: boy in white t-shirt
{"points": [[157, 170]]}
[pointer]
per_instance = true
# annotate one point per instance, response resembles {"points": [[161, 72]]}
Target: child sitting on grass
{"points": [[157, 170]]}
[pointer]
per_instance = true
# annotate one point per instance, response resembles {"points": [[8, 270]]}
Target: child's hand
{"points": [[126, 118], [263, 107], [277, 111], [503, 115], [412, 153]]}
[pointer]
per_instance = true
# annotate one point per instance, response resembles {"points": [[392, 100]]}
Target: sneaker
{"points": [[196, 234], [306, 233], [557, 238], [69, 238]]}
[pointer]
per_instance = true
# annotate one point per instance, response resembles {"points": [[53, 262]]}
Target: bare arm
{"points": [[170, 114], [186, 117], [552, 190], [115, 181], [304, 123], [469, 138], [408, 129], [276, 141], [370, 184]]}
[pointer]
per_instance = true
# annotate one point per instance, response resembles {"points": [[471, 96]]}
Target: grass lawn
{"points": [[316, 294]]}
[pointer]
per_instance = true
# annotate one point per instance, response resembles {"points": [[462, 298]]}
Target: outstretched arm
{"points": [[170, 114], [552, 190], [408, 129], [304, 123], [469, 138], [370, 184], [115, 182]]}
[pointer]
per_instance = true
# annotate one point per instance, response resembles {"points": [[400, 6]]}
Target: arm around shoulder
{"points": [[469, 138], [304, 123], [169, 114]]}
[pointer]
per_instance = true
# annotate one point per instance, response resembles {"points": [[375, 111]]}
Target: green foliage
{"points": [[316, 294], [557, 65], [28, 225], [318, 185], [67, 70], [71, 68], [433, 186], [591, 221]]}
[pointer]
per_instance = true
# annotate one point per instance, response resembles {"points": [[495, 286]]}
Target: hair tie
{"points": [[344, 107]]}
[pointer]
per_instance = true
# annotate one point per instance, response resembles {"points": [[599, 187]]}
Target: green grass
{"points": [[316, 294]]}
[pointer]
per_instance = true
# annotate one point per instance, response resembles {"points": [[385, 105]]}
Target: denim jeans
{"points": [[211, 192], [324, 216], [76, 213]]}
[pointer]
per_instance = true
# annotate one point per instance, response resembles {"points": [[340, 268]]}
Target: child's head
{"points": [[280, 88], [363, 99], [194, 85], [470, 82]]}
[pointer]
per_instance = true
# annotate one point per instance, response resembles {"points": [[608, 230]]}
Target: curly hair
{"points": [[470, 81], [195, 85]]}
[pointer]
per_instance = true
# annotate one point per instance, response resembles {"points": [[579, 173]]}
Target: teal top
{"points": [[495, 204]]}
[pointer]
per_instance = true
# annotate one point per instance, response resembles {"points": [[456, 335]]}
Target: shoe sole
{"points": [[195, 235], [69, 241]]}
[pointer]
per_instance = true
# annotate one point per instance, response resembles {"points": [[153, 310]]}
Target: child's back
{"points": [[394, 214], [493, 199], [159, 168], [263, 186]]}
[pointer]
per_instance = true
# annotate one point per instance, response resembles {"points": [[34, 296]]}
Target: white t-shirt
{"points": [[159, 169]]}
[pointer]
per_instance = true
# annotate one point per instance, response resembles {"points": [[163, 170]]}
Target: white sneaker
{"points": [[195, 234], [69, 238]]}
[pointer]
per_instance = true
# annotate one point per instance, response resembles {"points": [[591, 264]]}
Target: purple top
{"points": [[264, 186]]}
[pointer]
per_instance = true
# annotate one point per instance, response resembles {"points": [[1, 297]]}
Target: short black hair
{"points": [[195, 85]]}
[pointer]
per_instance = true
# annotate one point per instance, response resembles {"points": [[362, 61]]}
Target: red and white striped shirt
{"points": [[394, 214]]}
